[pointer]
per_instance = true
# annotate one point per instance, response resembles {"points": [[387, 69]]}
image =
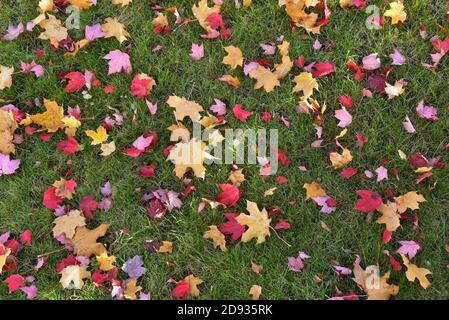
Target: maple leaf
{"points": [[181, 290], [46, 5], [197, 52], [369, 201], [255, 291], [69, 146], [410, 200], [257, 222], [98, 136], [241, 114], [81, 4], [106, 262], [409, 248], [283, 68], [87, 206], [160, 20], [322, 69], [107, 148], [51, 200], [68, 223], [314, 189], [8, 166], [257, 268], [236, 176], [6, 77], [413, 272], [376, 287], [234, 57], [340, 160], [305, 83], [8, 126], [265, 78], [232, 81], [390, 216], [76, 81], [232, 227], [193, 284], [185, 108], [396, 12], [141, 85], [131, 288], [54, 30], [72, 277], [51, 119], [85, 241], [15, 282], [113, 28], [217, 237], [122, 2], [296, 10], [189, 155], [230, 194], [202, 11], [4, 254], [118, 61]]}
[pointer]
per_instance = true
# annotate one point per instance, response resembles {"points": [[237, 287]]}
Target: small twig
{"points": [[183, 24], [49, 253], [277, 235]]}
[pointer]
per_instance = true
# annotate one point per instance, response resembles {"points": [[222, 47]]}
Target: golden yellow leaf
{"points": [[282, 69], [71, 122], [107, 148], [247, 3], [340, 160], [257, 222], [234, 57], [296, 10], [396, 12], [390, 216], [314, 189], [410, 200], [106, 262], [131, 289], [269, 192], [194, 282], [265, 78], [98, 136], [201, 11], [217, 237], [345, 4], [122, 2], [72, 277], [161, 19], [7, 127], [232, 81], [424, 169], [68, 223], [413, 272], [185, 108], [189, 155], [237, 176], [85, 241], [51, 119], [166, 247], [54, 30], [375, 286], [255, 291], [81, 4], [3, 256], [306, 83], [113, 28], [6, 77], [46, 5]]}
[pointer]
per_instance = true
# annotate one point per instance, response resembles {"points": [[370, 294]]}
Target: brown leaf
{"points": [[217, 237], [85, 241], [68, 223]]}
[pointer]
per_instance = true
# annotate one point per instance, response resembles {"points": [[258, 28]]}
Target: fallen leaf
{"points": [[85, 241], [68, 223], [255, 291], [413, 272], [217, 237], [257, 222], [410, 200], [234, 57], [72, 277]]}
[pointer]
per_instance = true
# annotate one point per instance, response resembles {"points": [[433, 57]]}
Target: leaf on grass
{"points": [[396, 12], [375, 286], [98, 136], [113, 28], [189, 155], [340, 160], [255, 291], [54, 30], [193, 282], [202, 11], [410, 200], [106, 262], [85, 241], [413, 272], [51, 119], [314, 189], [131, 289], [217, 237], [257, 222], [390, 216], [185, 108], [68, 223], [305, 83], [265, 78], [6, 77], [72, 277], [234, 57]]}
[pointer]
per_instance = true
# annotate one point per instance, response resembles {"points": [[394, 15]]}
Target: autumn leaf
{"points": [[369, 201], [375, 286], [51, 119], [185, 108], [390, 216], [76, 82], [8, 126], [98, 136], [413, 272], [217, 237], [131, 289], [265, 78], [107, 148], [54, 30], [202, 11], [113, 28], [396, 12], [257, 222], [189, 155], [3, 256], [314, 189], [122, 2], [340, 160], [106, 262], [234, 57], [237, 176], [255, 291], [305, 83], [72, 277], [6, 77], [410, 200], [81, 4], [193, 282], [85, 241], [141, 85], [68, 223]]}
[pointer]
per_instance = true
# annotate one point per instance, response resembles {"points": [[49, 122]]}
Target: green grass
{"points": [[228, 275]]}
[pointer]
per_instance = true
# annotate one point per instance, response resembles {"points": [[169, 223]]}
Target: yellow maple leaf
{"points": [[396, 12], [54, 30], [71, 122], [166, 247], [202, 11], [131, 289], [3, 256], [410, 200], [284, 48], [106, 262], [98, 136], [68, 223], [306, 83], [265, 78], [72, 277], [236, 176], [107, 148], [340, 160], [6, 77], [81, 4], [161, 19], [189, 155], [282, 69], [217, 237], [234, 57], [113, 28], [46, 5], [8, 126], [122, 2], [257, 222], [194, 282], [413, 272], [314, 189], [255, 291], [231, 80], [61, 189], [51, 119], [85, 241], [296, 10], [185, 108], [375, 286], [390, 216]]}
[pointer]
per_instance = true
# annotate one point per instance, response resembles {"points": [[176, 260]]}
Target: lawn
{"points": [[228, 275]]}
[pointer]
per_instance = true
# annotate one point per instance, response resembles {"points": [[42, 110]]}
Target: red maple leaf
{"points": [[76, 81], [322, 69], [68, 146], [369, 201], [230, 194], [67, 261], [232, 227], [25, 237], [181, 290], [140, 88], [51, 200], [348, 173], [87, 206], [15, 282], [241, 114]]}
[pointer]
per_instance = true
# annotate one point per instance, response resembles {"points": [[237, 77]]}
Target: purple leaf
{"points": [[118, 61], [398, 58], [151, 107], [382, 174], [106, 190], [268, 49], [219, 107], [408, 125], [197, 51], [8, 166], [94, 32], [427, 112], [134, 267], [409, 248], [31, 291], [371, 62], [344, 116], [13, 32], [297, 264]]}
